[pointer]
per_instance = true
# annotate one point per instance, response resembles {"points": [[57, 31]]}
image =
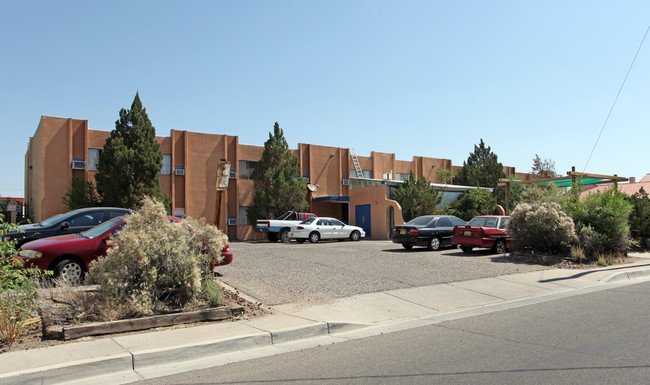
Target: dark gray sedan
{"points": [[430, 231], [72, 222]]}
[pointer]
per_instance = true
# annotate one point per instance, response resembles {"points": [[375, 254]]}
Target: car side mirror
{"points": [[65, 225]]}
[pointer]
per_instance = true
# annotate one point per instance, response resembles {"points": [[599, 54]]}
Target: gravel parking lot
{"points": [[277, 273]]}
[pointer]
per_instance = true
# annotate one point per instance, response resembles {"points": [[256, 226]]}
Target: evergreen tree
{"points": [[473, 202], [278, 185], [417, 198], [482, 168], [129, 165], [80, 195]]}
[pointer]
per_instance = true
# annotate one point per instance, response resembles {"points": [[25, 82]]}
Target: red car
{"points": [[487, 231], [69, 255]]}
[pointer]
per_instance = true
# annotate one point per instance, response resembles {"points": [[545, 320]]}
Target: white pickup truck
{"points": [[279, 228]]}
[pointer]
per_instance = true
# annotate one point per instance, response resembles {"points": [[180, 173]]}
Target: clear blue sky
{"points": [[425, 78]]}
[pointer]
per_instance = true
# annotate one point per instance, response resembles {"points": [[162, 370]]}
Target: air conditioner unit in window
{"points": [[233, 174], [346, 182], [232, 221], [78, 164], [179, 171]]}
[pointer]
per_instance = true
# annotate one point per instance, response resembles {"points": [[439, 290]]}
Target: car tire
{"points": [[70, 270], [500, 246], [314, 237], [433, 244], [284, 236], [466, 249], [355, 236], [407, 246]]}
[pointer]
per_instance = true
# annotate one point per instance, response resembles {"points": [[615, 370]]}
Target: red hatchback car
{"points": [[69, 255], [487, 231]]}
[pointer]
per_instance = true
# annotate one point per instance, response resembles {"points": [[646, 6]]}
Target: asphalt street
{"points": [[596, 338], [277, 273]]}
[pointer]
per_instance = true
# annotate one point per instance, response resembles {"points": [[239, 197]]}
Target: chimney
{"points": [[632, 179]]}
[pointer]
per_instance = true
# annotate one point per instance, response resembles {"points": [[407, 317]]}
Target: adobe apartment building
{"points": [[63, 148]]}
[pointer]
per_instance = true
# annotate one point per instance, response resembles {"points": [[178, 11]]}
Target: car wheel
{"points": [[314, 237], [284, 236], [273, 237], [434, 244], [300, 240], [69, 270], [500, 246], [407, 246], [355, 236], [466, 249]]}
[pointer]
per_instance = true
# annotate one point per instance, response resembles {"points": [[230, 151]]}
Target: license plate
{"points": [[467, 233], [402, 232]]}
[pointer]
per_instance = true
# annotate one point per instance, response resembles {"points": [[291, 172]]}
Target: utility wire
{"points": [[616, 99]]}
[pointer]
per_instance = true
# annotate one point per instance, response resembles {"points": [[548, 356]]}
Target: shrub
{"points": [[640, 216], [155, 265], [542, 227], [473, 202], [18, 289], [601, 222]]}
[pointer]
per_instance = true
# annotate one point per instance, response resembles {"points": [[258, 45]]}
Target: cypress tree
{"points": [[482, 168], [129, 165]]}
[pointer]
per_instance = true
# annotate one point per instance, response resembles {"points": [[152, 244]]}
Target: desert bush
{"points": [[601, 221], [18, 289], [155, 265], [640, 215], [542, 227]]}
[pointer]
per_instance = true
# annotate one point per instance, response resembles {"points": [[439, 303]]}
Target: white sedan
{"points": [[319, 228]]}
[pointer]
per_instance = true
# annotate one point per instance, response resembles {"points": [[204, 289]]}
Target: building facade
{"points": [[355, 189]]}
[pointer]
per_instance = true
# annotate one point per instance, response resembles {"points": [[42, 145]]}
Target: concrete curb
{"points": [[628, 275]]}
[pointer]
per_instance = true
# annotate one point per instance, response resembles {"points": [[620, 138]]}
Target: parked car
{"points": [[68, 256], [431, 231], [278, 229], [72, 222], [487, 231], [315, 229]]}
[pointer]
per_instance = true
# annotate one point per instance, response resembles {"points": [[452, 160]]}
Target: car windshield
{"points": [[419, 221], [56, 219], [101, 228]]}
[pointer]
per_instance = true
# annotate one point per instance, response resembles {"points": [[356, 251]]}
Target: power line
{"points": [[616, 99]]}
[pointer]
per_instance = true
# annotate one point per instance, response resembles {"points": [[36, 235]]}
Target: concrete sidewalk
{"points": [[125, 359]]}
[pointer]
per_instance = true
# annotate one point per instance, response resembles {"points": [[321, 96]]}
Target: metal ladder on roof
{"points": [[355, 162]]}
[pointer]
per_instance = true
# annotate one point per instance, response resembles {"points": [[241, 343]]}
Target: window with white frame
{"points": [[166, 165], [93, 158], [367, 174]]}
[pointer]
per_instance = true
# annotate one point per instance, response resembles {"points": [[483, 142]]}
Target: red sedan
{"points": [[487, 231], [69, 255]]}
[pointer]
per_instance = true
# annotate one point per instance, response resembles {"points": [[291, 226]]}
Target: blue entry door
{"points": [[362, 218]]}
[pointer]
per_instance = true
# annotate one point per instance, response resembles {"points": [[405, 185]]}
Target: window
{"points": [[367, 174], [503, 224], [93, 158], [87, 219], [243, 215], [443, 222], [402, 176], [166, 165], [247, 169]]}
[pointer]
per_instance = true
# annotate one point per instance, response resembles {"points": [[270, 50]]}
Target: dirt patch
{"points": [[33, 338]]}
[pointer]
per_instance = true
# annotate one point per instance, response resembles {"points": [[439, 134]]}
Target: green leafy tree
{"points": [[417, 197], [482, 168], [543, 168], [81, 195], [129, 165], [473, 202], [278, 185]]}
